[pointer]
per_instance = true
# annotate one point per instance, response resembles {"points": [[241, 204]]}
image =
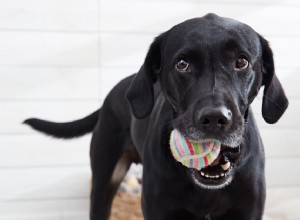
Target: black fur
{"points": [[65, 130], [211, 99]]}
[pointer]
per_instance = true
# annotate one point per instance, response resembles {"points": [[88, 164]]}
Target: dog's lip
{"points": [[231, 155], [214, 175], [231, 152]]}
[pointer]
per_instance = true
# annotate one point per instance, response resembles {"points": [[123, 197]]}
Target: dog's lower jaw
{"points": [[216, 176], [210, 186]]}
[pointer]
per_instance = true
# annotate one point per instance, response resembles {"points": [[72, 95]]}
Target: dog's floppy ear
{"points": [[140, 93], [275, 101]]}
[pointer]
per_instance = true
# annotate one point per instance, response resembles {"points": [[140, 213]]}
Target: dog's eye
{"points": [[182, 65], [241, 63]]}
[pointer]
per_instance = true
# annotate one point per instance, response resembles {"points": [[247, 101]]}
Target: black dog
{"points": [[199, 77]]}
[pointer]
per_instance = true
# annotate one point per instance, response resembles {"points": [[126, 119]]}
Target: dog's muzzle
{"points": [[221, 172], [210, 162]]}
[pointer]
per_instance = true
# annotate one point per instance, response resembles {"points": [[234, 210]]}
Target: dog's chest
{"points": [[208, 204]]}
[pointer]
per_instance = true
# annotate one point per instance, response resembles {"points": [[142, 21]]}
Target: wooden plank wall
{"points": [[59, 59]]}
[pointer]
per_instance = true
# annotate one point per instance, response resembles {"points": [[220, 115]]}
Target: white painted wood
{"points": [[38, 150], [281, 143], [124, 50], [49, 83], [44, 183], [76, 216], [31, 217], [289, 79], [264, 22], [282, 203], [43, 209], [111, 76], [279, 195], [283, 172], [179, 11], [280, 139], [67, 15], [243, 2], [49, 49], [13, 113], [285, 49]]}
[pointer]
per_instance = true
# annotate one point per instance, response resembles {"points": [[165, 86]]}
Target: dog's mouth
{"points": [[220, 173]]}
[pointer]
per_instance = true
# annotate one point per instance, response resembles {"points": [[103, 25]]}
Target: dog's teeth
{"points": [[226, 166], [212, 176]]}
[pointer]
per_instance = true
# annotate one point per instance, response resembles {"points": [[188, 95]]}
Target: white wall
{"points": [[58, 60]]}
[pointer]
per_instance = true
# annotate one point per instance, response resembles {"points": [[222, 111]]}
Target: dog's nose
{"points": [[214, 118]]}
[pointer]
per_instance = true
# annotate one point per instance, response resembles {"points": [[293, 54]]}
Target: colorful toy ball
{"points": [[193, 154]]}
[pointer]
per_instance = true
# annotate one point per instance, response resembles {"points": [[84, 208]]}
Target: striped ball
{"points": [[193, 154]]}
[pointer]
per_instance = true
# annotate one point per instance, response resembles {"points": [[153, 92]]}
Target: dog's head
{"points": [[210, 70]]}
